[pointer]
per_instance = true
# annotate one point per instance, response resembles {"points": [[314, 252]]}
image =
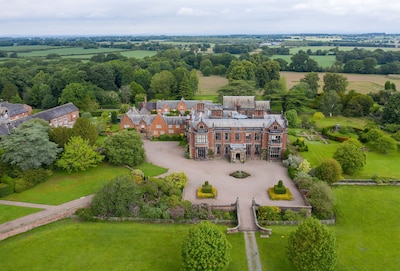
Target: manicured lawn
{"points": [[368, 226], [343, 121], [63, 186], [104, 246], [151, 170], [367, 231], [319, 151], [8, 212]]}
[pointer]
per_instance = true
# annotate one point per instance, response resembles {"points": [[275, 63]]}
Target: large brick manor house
{"points": [[240, 128]]}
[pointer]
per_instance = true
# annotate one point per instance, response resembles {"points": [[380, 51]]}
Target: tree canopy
{"points": [[205, 248], [124, 148], [312, 247], [29, 147], [79, 155], [350, 156]]}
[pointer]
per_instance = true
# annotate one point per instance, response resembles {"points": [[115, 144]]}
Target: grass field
{"points": [[63, 187], [208, 85], [73, 52], [104, 246], [8, 212], [366, 229]]}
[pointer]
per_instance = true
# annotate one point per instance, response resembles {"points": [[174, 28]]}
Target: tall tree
{"points": [[391, 112], [162, 85], [80, 95], [330, 103], [205, 248], [124, 148], [78, 155], [312, 80], [312, 247], [85, 128], [336, 82], [29, 147], [266, 72]]}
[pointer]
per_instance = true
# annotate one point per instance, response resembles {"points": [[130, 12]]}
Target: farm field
{"points": [[105, 246], [323, 61], [72, 52], [367, 221], [362, 83]]}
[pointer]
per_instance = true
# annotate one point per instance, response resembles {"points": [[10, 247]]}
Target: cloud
{"points": [[25, 17]]}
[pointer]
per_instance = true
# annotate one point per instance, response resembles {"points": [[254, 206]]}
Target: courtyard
{"points": [[263, 175]]}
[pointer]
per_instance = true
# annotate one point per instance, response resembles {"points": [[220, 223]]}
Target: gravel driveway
{"points": [[263, 175]]}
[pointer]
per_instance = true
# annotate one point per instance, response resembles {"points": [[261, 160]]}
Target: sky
{"points": [[193, 17]]}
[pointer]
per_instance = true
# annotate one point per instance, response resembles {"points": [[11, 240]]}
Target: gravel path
{"points": [[253, 257]]}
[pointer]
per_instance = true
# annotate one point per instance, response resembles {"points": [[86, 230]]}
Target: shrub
{"points": [[22, 185], [329, 171], [286, 196], [269, 213], [206, 187], [322, 200], [292, 172], [205, 248], [5, 189], [85, 214], [202, 195], [279, 188], [8, 180], [290, 215], [303, 180], [36, 176]]}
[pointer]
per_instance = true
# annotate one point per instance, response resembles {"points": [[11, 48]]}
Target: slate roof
{"points": [[245, 102], [266, 122], [14, 109], [56, 112]]}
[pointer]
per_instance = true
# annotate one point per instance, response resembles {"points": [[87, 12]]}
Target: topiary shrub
{"points": [[279, 188], [206, 187], [287, 196], [206, 191]]}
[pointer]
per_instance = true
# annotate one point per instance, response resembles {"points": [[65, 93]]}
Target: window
{"points": [[257, 136], [201, 127], [217, 136], [275, 127], [248, 136], [248, 149], [274, 153], [162, 132], [275, 139], [218, 149], [201, 153], [142, 126], [126, 126], [226, 136], [177, 126], [155, 133], [237, 136], [201, 138], [170, 126], [257, 149], [170, 131], [226, 150], [158, 126]]}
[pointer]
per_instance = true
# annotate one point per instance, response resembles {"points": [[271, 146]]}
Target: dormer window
{"points": [[275, 127], [201, 126]]}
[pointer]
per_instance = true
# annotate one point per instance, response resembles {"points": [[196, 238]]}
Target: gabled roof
{"points": [[14, 109], [230, 102], [56, 112]]}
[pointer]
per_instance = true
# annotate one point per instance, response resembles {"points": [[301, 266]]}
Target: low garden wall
{"points": [[367, 182]]}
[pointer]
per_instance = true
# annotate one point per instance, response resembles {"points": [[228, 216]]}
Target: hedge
{"points": [[202, 195], [273, 196]]}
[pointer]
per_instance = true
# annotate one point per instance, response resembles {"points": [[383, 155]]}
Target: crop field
{"points": [[72, 52], [362, 83], [208, 85]]}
